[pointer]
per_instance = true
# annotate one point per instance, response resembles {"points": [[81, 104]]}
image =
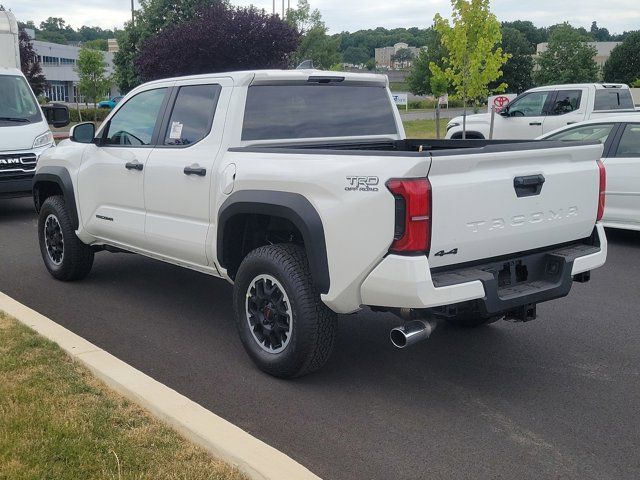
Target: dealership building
{"points": [[58, 66]]}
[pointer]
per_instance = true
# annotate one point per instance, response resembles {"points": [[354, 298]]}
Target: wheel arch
{"points": [[291, 207], [49, 181]]}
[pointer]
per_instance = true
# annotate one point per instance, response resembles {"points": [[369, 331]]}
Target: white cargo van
{"points": [[24, 129]]}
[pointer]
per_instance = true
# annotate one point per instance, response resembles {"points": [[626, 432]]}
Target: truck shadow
{"points": [[617, 236], [16, 209]]}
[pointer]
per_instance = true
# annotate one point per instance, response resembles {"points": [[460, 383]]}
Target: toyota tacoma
{"points": [[300, 188]]}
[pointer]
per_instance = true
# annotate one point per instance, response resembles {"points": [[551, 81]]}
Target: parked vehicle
{"points": [[24, 130], [300, 189], [544, 109], [621, 138], [111, 103]]}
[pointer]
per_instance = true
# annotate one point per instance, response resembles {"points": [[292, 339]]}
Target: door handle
{"points": [[134, 166], [528, 186], [535, 124], [195, 170]]}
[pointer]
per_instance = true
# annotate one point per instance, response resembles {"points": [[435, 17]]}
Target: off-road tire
{"points": [[77, 258], [313, 323]]}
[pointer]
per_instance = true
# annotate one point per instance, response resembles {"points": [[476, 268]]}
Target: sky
{"points": [[351, 15]]}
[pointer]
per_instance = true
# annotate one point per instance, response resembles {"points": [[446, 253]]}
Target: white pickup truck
{"points": [[543, 109], [300, 189]]}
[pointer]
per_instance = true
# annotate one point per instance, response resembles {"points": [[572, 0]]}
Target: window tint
{"points": [[317, 110], [613, 99], [566, 102], [192, 114], [528, 105], [599, 132], [134, 123], [629, 145]]}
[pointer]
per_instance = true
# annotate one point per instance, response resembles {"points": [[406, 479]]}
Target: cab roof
{"points": [[249, 77]]}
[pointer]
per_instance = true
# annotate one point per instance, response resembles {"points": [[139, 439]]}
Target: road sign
{"points": [[500, 101], [401, 98]]}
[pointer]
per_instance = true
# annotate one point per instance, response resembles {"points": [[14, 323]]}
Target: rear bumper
{"points": [[499, 285]]}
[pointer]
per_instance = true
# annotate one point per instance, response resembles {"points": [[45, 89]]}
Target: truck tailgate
{"points": [[505, 199]]}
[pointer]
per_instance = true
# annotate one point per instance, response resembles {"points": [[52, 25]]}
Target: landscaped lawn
{"points": [[424, 128], [58, 422]]}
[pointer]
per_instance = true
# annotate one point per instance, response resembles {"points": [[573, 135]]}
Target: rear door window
{"points": [[317, 110], [613, 99], [629, 145], [192, 114], [566, 101]]}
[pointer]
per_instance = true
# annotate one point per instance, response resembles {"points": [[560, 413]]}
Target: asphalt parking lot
{"points": [[557, 398]]}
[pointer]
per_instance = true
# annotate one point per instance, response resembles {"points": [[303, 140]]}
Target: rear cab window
{"points": [[613, 99], [317, 110]]}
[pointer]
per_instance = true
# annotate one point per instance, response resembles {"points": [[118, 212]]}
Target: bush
{"points": [[87, 114], [431, 104]]}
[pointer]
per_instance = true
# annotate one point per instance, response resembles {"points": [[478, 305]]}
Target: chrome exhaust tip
{"points": [[412, 332]]}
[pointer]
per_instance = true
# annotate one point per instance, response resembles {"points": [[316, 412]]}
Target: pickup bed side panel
{"points": [[357, 218]]}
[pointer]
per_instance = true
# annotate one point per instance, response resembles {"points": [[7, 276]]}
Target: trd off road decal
{"points": [[362, 184]]}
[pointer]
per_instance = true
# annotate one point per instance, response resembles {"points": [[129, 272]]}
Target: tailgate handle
{"points": [[528, 186]]}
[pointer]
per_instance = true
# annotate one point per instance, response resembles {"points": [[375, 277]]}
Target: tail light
{"points": [[412, 233], [603, 187]]}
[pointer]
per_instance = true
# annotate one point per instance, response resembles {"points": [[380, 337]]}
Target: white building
{"points": [[384, 55], [58, 65]]}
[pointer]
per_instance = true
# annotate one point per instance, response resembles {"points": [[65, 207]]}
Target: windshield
{"points": [[17, 103]]}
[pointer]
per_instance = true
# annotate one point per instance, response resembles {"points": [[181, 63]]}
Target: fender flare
{"points": [[291, 206], [61, 177]]}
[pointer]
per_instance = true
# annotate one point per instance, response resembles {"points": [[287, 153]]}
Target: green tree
{"points": [[533, 34], [97, 44], [623, 65], [419, 80], [151, 18], [402, 57], [356, 55], [92, 71], [517, 73], [599, 34], [568, 58], [475, 57], [315, 45]]}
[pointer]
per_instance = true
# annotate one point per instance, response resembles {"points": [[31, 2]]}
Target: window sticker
{"points": [[176, 131]]}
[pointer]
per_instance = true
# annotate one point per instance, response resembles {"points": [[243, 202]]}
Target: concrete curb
{"points": [[220, 437]]}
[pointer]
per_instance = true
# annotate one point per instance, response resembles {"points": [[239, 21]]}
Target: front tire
{"points": [[283, 325], [64, 255]]}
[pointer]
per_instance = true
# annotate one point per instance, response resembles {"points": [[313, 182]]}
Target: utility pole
{"points": [[132, 14], [283, 9], [274, 7]]}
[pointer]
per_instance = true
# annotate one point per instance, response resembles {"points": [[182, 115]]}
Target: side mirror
{"points": [[82, 132], [57, 115], [504, 112]]}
